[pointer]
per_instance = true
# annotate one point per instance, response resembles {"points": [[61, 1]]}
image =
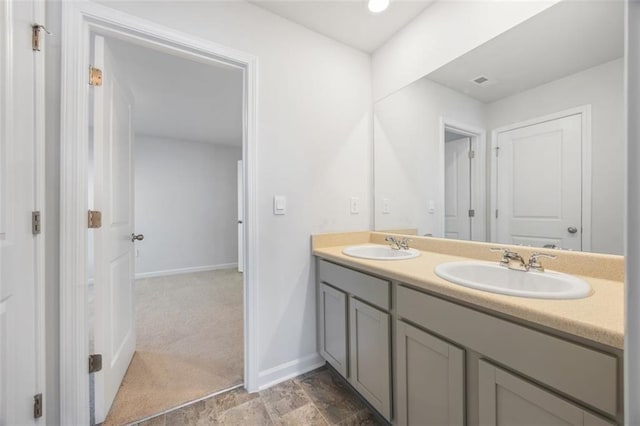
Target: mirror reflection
{"points": [[519, 141]]}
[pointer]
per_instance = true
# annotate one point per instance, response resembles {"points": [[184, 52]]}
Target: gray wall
{"points": [[186, 204]]}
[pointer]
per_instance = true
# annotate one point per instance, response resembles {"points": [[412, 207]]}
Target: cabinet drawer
{"points": [[365, 287], [587, 375]]}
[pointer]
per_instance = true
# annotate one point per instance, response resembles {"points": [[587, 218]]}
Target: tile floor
{"points": [[319, 397]]}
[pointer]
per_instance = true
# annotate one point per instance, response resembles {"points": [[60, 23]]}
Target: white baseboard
{"points": [[289, 370], [179, 271]]}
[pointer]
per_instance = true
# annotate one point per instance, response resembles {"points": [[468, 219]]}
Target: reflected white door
{"points": [[114, 329], [240, 218], [457, 189], [539, 184], [21, 323]]}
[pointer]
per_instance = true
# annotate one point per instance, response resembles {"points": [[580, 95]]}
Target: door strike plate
{"points": [[37, 406], [36, 222]]}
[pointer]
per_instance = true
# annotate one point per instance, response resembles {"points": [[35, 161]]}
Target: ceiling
{"points": [[181, 99], [569, 37], [348, 21]]}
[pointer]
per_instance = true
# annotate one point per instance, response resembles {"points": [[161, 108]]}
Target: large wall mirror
{"points": [[519, 141]]}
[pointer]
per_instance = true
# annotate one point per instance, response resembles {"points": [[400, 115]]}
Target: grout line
{"points": [[186, 404]]}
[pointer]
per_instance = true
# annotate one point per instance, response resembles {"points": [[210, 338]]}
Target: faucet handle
{"points": [[404, 243], [393, 241], [504, 261], [535, 264]]}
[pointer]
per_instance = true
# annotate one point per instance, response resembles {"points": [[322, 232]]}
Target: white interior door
{"points": [[539, 184], [21, 312], [114, 329], [457, 189], [240, 218]]}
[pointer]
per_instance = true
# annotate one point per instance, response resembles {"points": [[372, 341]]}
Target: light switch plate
{"points": [[432, 207], [279, 204]]}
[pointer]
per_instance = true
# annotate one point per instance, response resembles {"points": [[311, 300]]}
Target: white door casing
{"points": [[114, 330], [457, 189], [478, 186], [539, 184], [21, 192], [79, 20], [240, 218]]}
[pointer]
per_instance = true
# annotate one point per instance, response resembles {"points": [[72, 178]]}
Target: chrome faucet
{"points": [[509, 257], [398, 243]]}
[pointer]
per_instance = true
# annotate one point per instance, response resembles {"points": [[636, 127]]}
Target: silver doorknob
{"points": [[572, 229], [135, 237]]}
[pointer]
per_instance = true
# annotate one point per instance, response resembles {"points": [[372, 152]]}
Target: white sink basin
{"points": [[374, 252], [491, 277]]}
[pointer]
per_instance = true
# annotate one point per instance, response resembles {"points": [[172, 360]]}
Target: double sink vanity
{"points": [[452, 333]]}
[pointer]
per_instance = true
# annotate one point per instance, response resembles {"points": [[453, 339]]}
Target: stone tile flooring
{"points": [[319, 397]]}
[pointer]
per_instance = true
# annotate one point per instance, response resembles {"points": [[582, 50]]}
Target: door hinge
{"points": [[94, 219], [497, 150], [95, 363], [496, 213], [37, 406], [472, 154], [95, 76], [472, 213], [36, 222], [36, 37]]}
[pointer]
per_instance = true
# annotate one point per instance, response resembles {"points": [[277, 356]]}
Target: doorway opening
{"points": [[463, 177], [80, 22], [166, 281], [167, 300]]}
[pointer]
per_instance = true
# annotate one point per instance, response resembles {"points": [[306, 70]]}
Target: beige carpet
{"points": [[189, 343]]}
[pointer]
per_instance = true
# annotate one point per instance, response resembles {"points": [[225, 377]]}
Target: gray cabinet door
{"points": [[430, 379], [506, 399], [370, 360], [332, 328]]}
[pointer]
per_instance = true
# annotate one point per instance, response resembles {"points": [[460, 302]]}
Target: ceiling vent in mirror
{"points": [[480, 81]]}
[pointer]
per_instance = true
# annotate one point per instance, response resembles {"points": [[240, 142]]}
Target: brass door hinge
{"points": [[95, 363], [36, 38], [95, 76], [94, 219], [37, 406]]}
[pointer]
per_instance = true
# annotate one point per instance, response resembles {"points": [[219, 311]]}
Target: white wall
{"points": [[603, 88], [408, 157], [186, 205], [443, 32], [314, 137]]}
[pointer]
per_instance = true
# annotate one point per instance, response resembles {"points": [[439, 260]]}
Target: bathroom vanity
{"points": [[424, 351]]}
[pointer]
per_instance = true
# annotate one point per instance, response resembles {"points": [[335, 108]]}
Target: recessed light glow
{"points": [[377, 6]]}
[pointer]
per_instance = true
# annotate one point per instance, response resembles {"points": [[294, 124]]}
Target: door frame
{"points": [[478, 174], [79, 21], [585, 112]]}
